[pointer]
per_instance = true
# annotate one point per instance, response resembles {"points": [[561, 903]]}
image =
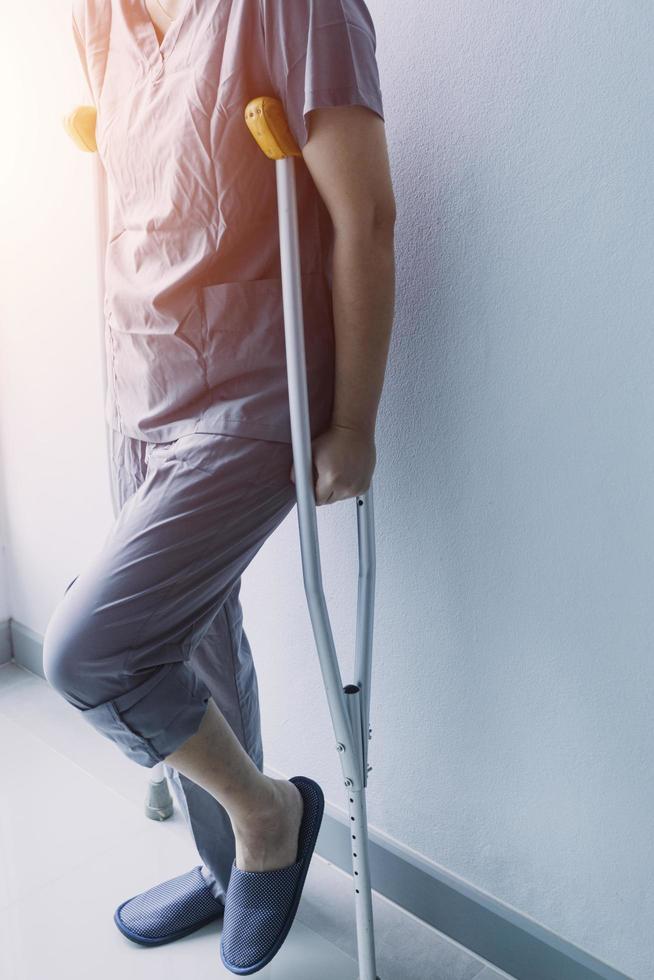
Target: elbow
{"points": [[372, 222], [364, 224]]}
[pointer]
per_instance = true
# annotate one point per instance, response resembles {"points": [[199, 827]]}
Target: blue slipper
{"points": [[169, 911], [260, 905]]}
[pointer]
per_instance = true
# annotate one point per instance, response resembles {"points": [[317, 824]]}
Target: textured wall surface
{"points": [[513, 675]]}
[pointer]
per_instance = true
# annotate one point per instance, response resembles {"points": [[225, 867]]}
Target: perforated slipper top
{"points": [[260, 905], [169, 910]]}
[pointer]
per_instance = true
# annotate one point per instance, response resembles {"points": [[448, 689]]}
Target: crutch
{"points": [[349, 704], [80, 126]]}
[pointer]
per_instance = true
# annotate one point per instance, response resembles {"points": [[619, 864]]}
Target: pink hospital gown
{"points": [[194, 329]]}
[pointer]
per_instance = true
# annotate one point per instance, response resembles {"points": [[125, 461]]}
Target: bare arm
{"points": [[347, 157]]}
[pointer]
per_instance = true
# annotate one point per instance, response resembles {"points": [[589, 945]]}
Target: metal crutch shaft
{"points": [[349, 706]]}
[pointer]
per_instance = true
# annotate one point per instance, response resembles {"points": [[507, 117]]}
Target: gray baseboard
{"points": [[511, 941], [5, 641], [27, 646]]}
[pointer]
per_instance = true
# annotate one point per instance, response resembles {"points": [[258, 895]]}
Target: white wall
{"points": [[51, 422], [4, 566], [513, 675]]}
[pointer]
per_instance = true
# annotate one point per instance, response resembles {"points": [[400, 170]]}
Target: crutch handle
{"points": [[267, 122], [80, 126]]}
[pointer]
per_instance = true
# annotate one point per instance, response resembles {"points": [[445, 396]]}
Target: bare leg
{"points": [[265, 813]]}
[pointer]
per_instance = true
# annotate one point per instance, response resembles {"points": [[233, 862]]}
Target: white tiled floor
{"points": [[74, 842]]}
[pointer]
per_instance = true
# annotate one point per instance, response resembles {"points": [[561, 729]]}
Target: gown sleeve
{"points": [[320, 53]]}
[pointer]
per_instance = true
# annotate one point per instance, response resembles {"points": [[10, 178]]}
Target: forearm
{"points": [[363, 298]]}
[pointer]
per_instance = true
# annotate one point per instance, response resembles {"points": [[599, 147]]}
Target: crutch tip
{"points": [[159, 802]]}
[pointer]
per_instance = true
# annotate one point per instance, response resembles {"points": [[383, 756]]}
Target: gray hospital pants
{"points": [[153, 626]]}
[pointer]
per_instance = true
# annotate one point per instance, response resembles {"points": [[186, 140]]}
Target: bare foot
{"points": [[270, 838]]}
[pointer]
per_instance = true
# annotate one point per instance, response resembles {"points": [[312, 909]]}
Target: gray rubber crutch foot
{"points": [[159, 802]]}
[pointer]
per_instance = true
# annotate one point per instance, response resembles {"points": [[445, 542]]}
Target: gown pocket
{"points": [[244, 332]]}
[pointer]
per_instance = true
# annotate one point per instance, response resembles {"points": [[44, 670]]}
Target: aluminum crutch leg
{"points": [[349, 705]]}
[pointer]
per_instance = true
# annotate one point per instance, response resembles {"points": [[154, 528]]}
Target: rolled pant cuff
{"points": [[157, 716]]}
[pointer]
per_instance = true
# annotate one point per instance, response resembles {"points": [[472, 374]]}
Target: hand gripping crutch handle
{"points": [[349, 706]]}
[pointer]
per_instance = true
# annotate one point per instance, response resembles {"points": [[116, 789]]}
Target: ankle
{"points": [[261, 810]]}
